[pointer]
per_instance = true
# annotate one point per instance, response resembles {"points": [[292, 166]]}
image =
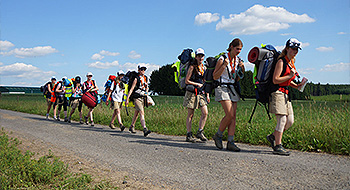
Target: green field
{"points": [[320, 125]]}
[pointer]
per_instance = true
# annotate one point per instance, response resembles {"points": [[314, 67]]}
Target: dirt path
{"points": [[167, 162]]}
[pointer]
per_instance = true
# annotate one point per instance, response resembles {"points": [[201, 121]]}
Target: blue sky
{"points": [[44, 38]]}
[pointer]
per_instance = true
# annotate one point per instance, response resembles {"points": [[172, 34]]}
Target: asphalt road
{"points": [[172, 161]]}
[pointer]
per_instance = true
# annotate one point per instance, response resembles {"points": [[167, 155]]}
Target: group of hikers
{"points": [[226, 72]]}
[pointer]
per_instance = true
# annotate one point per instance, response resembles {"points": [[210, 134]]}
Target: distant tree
{"points": [[162, 81], [247, 86]]}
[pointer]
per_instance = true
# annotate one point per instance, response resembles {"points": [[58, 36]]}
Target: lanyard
{"points": [[290, 62], [232, 68], [201, 69]]}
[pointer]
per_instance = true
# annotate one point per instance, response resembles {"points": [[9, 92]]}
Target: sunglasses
{"points": [[294, 44], [89, 75]]}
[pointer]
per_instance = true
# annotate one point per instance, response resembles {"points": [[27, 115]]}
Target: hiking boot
{"points": [[81, 121], [146, 132], [271, 139], [278, 149], [111, 125], [122, 127], [218, 141], [232, 146], [69, 120], [58, 118], [47, 116], [200, 135], [65, 119], [189, 138], [132, 129], [92, 124], [86, 120]]}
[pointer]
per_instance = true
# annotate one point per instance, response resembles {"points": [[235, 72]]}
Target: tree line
{"points": [[162, 82]]}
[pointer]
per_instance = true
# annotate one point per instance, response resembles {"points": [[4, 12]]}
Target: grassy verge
{"points": [[21, 171], [319, 125]]}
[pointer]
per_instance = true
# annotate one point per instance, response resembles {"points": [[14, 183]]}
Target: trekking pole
{"points": [[251, 116]]}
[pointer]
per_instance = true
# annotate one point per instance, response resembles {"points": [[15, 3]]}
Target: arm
{"points": [[277, 73], [220, 68], [188, 77]]}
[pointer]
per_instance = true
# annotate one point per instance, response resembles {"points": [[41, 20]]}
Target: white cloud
{"points": [[134, 55], [306, 71], [133, 67], [204, 18], [286, 34], [100, 56], [303, 45], [260, 19], [341, 33], [97, 56], [324, 49], [339, 67], [1, 63], [105, 65], [25, 71], [5, 45], [31, 52]]}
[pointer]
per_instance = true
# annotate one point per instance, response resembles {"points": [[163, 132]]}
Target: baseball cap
{"points": [[89, 74], [120, 73], [200, 51], [53, 78], [142, 67], [293, 43]]}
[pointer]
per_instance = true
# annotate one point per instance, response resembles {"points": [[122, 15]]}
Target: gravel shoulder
{"points": [[168, 162]]}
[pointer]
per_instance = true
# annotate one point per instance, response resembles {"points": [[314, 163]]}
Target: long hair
{"points": [[235, 42], [284, 53]]}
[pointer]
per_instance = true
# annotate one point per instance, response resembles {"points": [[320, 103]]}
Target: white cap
{"points": [[120, 73], [200, 51], [293, 43], [65, 78], [89, 73], [53, 78]]}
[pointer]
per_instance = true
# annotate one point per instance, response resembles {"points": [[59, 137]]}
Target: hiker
{"points": [[195, 97], [75, 100], [279, 103], [138, 90], [68, 85], [116, 92], [58, 99], [90, 86], [48, 95], [225, 73]]}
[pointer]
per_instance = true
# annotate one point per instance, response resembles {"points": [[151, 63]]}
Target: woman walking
{"points": [[280, 104], [195, 97], [90, 86], [226, 73]]}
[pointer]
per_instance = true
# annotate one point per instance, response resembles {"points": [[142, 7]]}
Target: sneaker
{"points": [[92, 124], [132, 129], [69, 120], [232, 146], [218, 141], [146, 132], [86, 120], [47, 116], [81, 121], [122, 127], [271, 139], [58, 118], [65, 119], [278, 149], [111, 125], [189, 138], [54, 118], [200, 135]]}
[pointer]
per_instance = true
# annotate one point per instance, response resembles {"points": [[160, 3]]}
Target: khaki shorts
{"points": [[117, 105], [224, 93], [75, 103], [139, 104], [280, 104], [194, 102]]}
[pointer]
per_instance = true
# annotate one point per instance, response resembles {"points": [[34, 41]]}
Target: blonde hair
{"points": [[283, 54]]}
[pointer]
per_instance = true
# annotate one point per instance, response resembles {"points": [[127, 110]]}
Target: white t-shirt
{"points": [[226, 76], [117, 94]]}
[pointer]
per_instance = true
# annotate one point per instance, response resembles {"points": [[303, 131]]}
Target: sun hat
{"points": [[142, 67], [293, 43], [200, 51]]}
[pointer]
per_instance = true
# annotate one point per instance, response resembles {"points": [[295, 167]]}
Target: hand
{"points": [[127, 102], [292, 72], [226, 62], [200, 85], [208, 98]]}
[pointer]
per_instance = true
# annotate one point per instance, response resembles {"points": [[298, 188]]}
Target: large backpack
{"points": [[111, 79], [44, 88], [128, 79], [185, 58], [264, 59], [210, 84]]}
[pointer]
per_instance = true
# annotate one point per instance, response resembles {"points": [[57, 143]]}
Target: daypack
{"points": [[264, 59], [210, 84], [185, 58], [111, 79], [128, 79], [44, 88]]}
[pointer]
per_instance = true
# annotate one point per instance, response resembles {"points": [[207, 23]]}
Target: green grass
{"points": [[21, 171], [320, 125]]}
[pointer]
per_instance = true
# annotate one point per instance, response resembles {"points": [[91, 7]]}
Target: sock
{"points": [[230, 138], [47, 114], [220, 133], [200, 130]]}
